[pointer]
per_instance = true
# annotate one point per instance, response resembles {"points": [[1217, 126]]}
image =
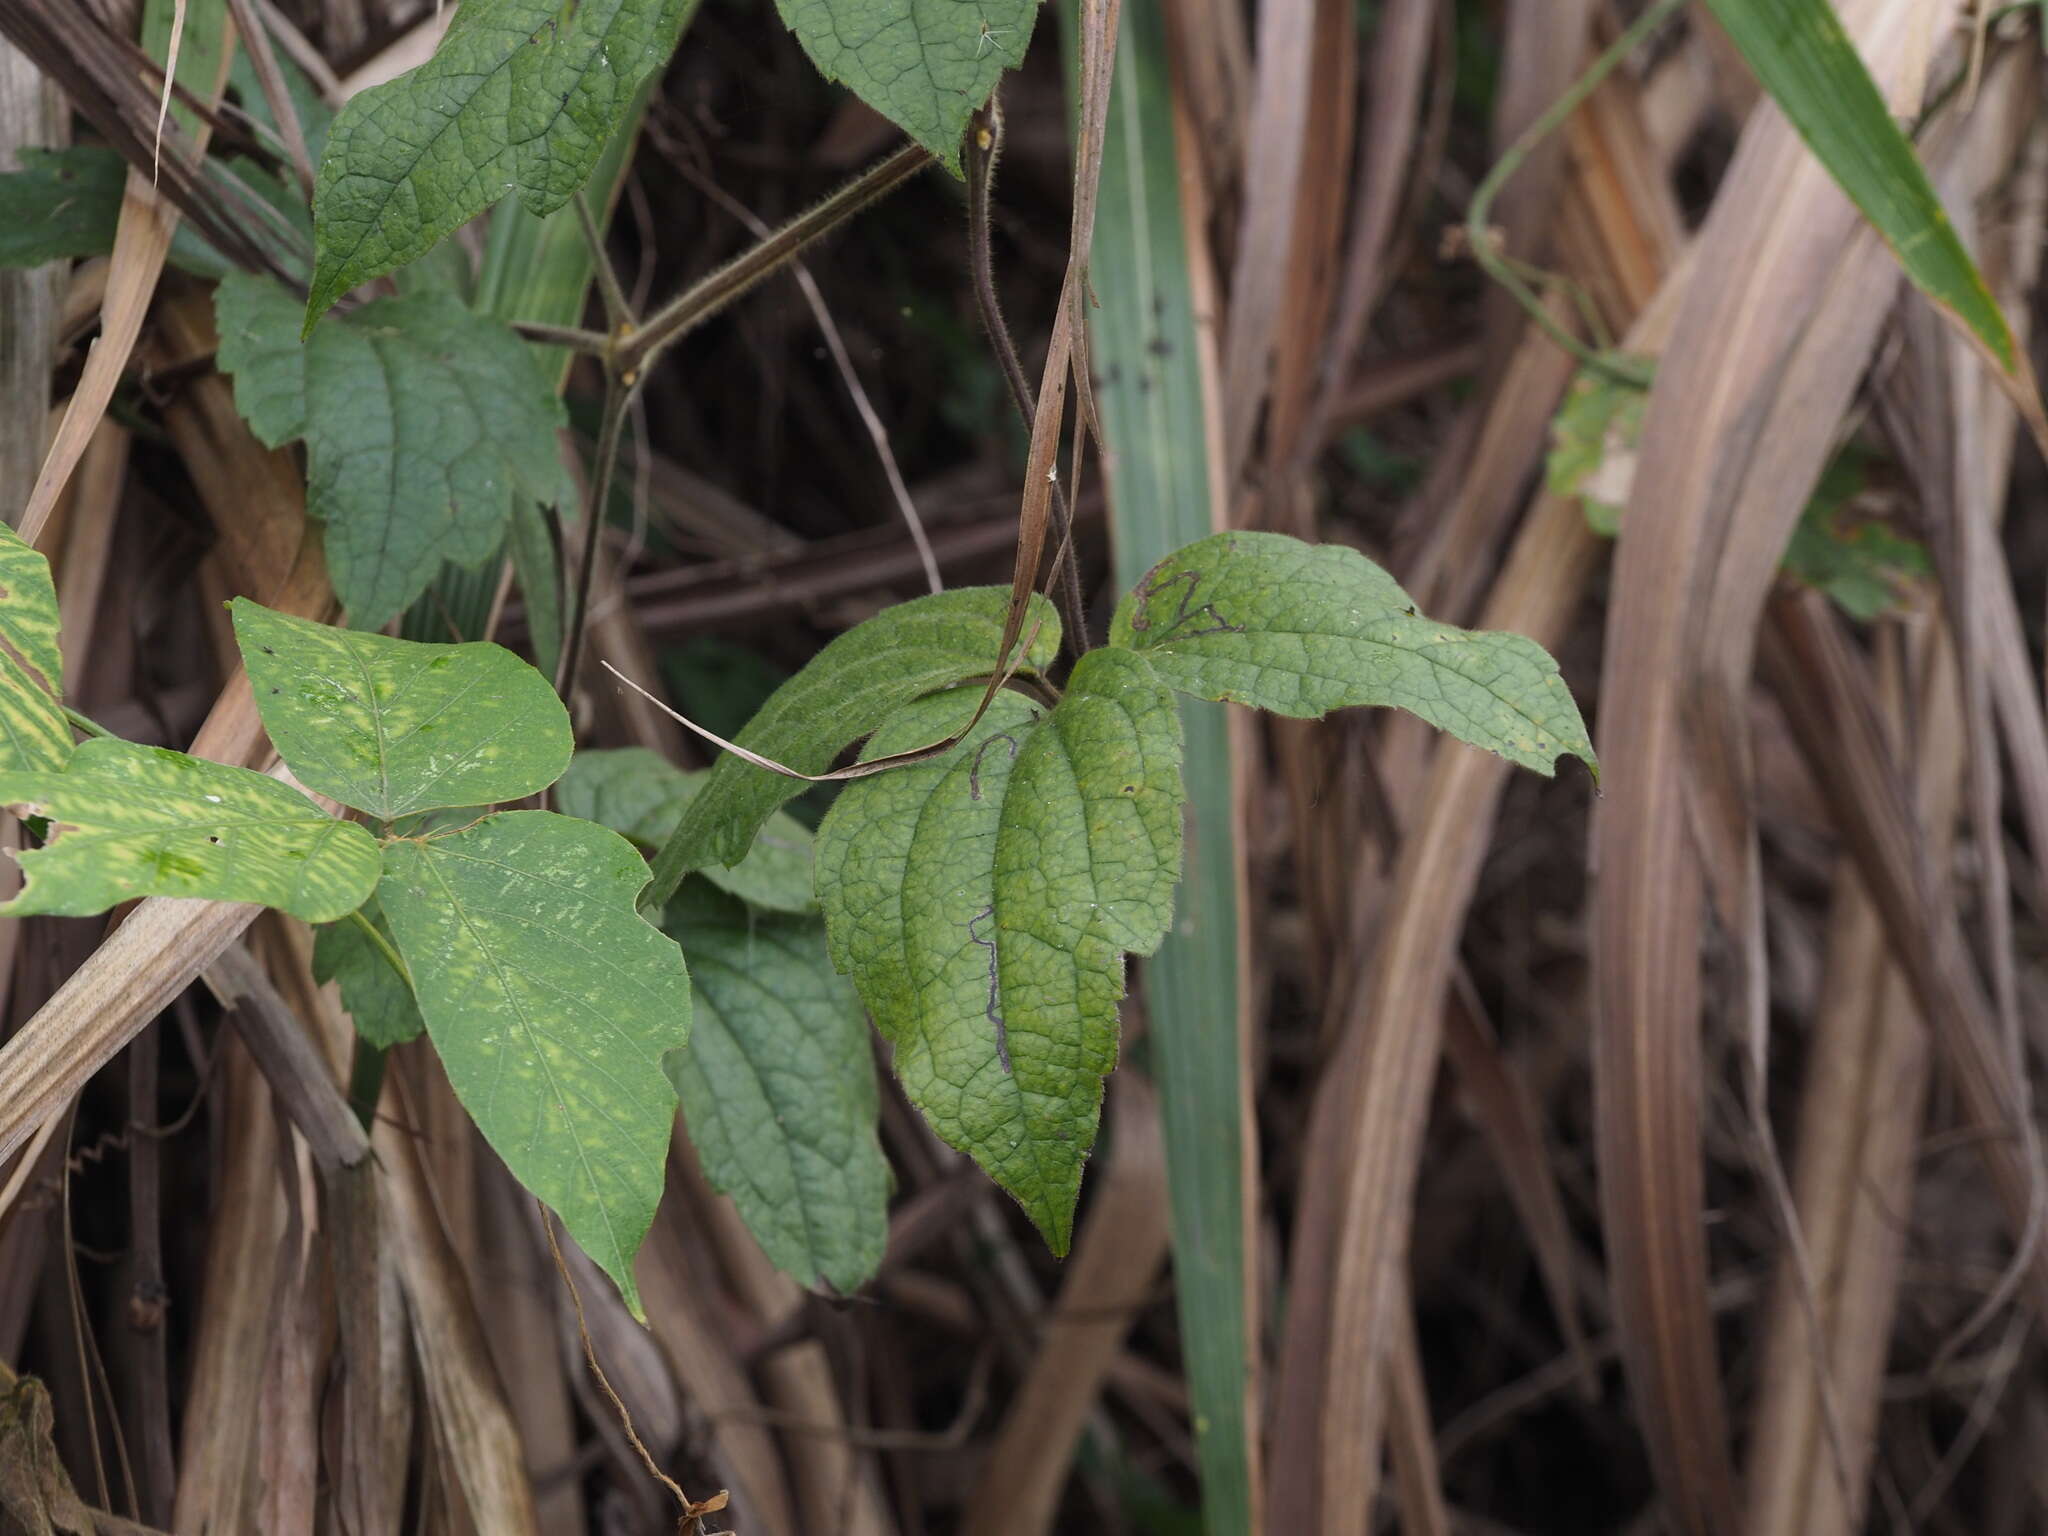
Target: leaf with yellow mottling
{"points": [[33, 730], [393, 727], [551, 1002], [133, 821]]}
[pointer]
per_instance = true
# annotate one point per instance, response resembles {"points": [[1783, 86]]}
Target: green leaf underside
{"points": [[847, 690], [641, 795], [551, 1003], [926, 65], [1301, 629], [375, 995], [133, 821], [1804, 57], [521, 95], [34, 732], [421, 420], [982, 903], [393, 727], [778, 1087]]}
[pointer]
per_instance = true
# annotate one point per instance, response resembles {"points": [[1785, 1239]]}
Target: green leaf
{"points": [[849, 688], [521, 94], [983, 901], [61, 203], [375, 995], [551, 1003], [393, 727], [778, 1087], [1863, 565], [421, 420], [642, 795], [926, 65], [1302, 629], [1805, 59], [134, 821], [34, 731], [1593, 441]]}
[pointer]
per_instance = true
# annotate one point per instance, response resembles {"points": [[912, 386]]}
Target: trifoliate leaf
{"points": [[375, 995], [849, 688], [421, 420], [642, 795], [778, 1087], [34, 731], [393, 727], [926, 65], [1302, 629], [132, 821], [551, 1003], [521, 95], [983, 901]]}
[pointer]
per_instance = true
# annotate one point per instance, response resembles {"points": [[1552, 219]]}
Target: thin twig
{"points": [[693, 1512], [844, 361], [1478, 234], [984, 148]]}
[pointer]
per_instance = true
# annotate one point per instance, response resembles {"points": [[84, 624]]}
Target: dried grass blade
{"points": [[142, 240], [1115, 1263], [1859, 1126]]}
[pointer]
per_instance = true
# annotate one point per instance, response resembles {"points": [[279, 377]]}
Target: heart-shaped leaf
{"points": [[983, 903], [393, 727]]}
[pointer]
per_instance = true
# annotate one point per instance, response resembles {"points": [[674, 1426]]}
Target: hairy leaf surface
{"points": [[982, 903], [642, 795], [521, 95], [375, 995], [551, 1003], [34, 732], [1302, 629], [847, 690], [393, 727], [421, 419], [778, 1087], [131, 821], [926, 65]]}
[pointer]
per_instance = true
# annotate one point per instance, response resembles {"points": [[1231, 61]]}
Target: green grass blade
{"points": [[1145, 354], [1804, 58]]}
